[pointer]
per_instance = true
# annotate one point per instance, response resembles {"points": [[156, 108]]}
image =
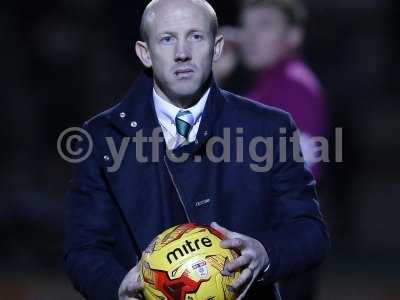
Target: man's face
{"points": [[266, 34], [181, 48]]}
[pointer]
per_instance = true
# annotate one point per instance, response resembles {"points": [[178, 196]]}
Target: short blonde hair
{"points": [[213, 18]]}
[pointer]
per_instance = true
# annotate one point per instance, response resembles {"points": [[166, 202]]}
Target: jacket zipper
{"points": [[177, 190]]}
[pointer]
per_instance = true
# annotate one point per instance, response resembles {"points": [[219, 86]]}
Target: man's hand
{"points": [[131, 287], [253, 259]]}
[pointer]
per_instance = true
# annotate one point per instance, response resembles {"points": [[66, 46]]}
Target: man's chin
{"points": [[186, 89]]}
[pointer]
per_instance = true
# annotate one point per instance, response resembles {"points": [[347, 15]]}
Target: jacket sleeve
{"points": [[88, 256], [298, 239]]}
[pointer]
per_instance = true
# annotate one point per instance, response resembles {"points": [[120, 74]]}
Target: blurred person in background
{"points": [[267, 46]]}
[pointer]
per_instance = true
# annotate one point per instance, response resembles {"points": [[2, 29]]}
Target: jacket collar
{"points": [[136, 111]]}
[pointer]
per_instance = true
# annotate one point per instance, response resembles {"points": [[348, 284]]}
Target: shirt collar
{"points": [[166, 112]]}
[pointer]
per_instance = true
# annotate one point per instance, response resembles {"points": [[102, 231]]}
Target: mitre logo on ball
{"points": [[187, 248], [186, 262]]}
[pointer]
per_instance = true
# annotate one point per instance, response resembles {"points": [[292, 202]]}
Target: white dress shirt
{"points": [[166, 113]]}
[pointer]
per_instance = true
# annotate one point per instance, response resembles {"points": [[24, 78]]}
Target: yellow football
{"points": [[185, 262]]}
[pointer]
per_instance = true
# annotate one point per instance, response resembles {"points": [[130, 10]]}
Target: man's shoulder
{"points": [[102, 119], [300, 77], [255, 111]]}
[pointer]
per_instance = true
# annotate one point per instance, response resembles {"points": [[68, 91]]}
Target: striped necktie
{"points": [[184, 121]]}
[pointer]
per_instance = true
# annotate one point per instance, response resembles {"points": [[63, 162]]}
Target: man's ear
{"points": [[142, 51], [218, 46], [295, 37]]}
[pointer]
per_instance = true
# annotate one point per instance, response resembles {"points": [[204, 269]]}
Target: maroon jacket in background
{"points": [[293, 87]]}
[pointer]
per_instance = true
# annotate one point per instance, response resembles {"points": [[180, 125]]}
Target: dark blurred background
{"points": [[64, 61]]}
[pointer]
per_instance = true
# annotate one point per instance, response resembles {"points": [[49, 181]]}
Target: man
{"points": [[276, 223], [269, 39]]}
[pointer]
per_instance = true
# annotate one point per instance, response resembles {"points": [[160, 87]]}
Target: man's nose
{"points": [[183, 52]]}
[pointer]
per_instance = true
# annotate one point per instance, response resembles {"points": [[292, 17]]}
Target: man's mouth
{"points": [[184, 72]]}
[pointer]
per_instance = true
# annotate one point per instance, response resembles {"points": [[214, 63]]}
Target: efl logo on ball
{"points": [[186, 262]]}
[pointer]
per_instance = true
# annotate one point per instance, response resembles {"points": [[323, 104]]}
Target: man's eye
{"points": [[197, 37], [166, 39]]}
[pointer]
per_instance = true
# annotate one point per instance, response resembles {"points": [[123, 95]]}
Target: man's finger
{"points": [[134, 287], [227, 233], [133, 272], [241, 261], [234, 243], [134, 284], [138, 297], [243, 280]]}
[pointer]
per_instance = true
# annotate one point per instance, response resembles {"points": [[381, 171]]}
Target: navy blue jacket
{"points": [[114, 215]]}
